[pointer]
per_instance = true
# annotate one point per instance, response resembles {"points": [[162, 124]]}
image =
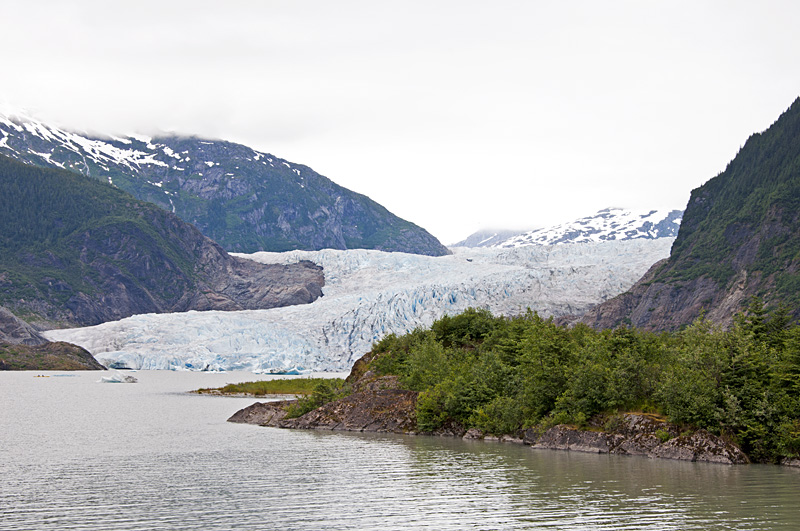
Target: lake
{"points": [[79, 454]]}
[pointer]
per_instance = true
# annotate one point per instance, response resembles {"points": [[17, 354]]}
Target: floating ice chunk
{"points": [[118, 378]]}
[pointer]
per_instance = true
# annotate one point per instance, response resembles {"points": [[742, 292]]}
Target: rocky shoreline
{"points": [[641, 435], [379, 406]]}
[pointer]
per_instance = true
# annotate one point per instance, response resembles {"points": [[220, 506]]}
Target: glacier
{"points": [[369, 294]]}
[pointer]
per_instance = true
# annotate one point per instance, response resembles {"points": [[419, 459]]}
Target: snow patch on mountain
{"points": [[98, 150], [369, 294], [607, 225]]}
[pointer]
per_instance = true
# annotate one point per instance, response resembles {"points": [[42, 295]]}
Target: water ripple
{"points": [[110, 458]]}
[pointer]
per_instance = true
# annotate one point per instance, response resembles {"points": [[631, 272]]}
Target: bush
{"points": [[324, 392], [499, 375]]}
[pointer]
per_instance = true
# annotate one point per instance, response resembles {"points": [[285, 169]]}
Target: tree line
{"points": [[502, 375]]}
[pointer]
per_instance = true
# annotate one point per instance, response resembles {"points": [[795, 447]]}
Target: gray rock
{"points": [[473, 434], [635, 435], [16, 331], [382, 410], [700, 446], [530, 437], [637, 445], [262, 413], [563, 437]]}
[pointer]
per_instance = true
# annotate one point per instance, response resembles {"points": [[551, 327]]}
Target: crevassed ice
{"points": [[367, 295]]}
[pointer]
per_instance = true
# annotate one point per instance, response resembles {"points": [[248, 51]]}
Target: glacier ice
{"points": [[369, 294]]}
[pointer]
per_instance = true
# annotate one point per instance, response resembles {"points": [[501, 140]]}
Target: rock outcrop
{"points": [[23, 348], [262, 413], [15, 331], [640, 435], [377, 407]]}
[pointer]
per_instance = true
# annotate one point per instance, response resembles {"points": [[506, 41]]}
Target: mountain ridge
{"points": [[244, 199], [607, 224], [739, 239]]}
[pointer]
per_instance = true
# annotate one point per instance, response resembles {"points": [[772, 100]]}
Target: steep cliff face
{"points": [[81, 252], [739, 238]]}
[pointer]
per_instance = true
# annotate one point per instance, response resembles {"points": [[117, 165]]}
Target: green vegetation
{"points": [[746, 217], [65, 237], [503, 375], [283, 386], [313, 392], [326, 390], [56, 356]]}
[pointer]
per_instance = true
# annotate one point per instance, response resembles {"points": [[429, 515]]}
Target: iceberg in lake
{"points": [[118, 378], [367, 295]]}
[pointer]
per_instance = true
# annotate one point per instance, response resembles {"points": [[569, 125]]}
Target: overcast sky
{"points": [[456, 115]]}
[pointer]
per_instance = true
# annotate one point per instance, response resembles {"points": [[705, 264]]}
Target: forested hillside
{"points": [[739, 237], [74, 250], [244, 199]]}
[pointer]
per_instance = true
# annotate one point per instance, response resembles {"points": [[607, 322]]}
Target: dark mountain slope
{"points": [[77, 251], [245, 200], [739, 238]]}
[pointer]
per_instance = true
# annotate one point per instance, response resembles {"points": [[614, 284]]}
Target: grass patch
{"points": [[293, 386]]}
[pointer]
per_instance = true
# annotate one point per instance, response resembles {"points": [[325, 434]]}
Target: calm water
{"points": [[77, 454]]}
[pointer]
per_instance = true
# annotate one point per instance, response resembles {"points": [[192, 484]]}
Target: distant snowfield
{"points": [[369, 294], [606, 225]]}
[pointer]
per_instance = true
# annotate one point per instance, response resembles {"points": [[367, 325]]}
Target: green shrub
{"points": [[663, 435]]}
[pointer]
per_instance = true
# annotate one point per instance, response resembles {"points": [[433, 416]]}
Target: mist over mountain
{"points": [[487, 238], [244, 199]]}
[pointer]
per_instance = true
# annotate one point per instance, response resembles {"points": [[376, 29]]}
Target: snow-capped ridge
{"points": [[101, 151], [608, 224], [205, 180]]}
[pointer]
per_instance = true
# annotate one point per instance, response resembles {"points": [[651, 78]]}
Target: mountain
{"points": [[739, 238], [606, 225], [77, 251], [369, 294], [486, 238], [244, 199]]}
